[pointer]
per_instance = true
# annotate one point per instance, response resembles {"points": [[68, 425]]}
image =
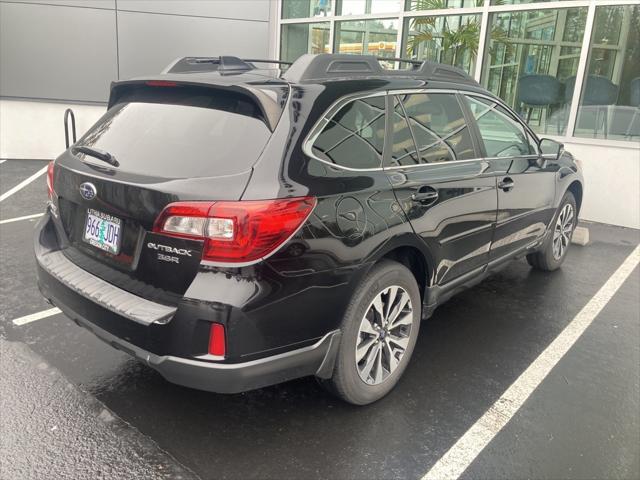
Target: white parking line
{"points": [[22, 184], [453, 463], [2, 161], [17, 219], [36, 316]]}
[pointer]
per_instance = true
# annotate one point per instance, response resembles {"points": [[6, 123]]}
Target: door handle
{"points": [[506, 184], [425, 195]]}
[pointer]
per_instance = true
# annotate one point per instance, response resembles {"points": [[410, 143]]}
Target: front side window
{"points": [[438, 126], [354, 136], [502, 135]]}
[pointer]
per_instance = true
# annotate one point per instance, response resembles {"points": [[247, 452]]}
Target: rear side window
{"points": [[196, 134], [403, 151], [354, 137], [439, 128], [503, 136]]}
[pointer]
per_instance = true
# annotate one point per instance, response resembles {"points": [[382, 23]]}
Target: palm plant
{"points": [[454, 42]]}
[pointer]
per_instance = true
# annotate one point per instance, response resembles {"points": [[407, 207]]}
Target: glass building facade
{"points": [[570, 68]]}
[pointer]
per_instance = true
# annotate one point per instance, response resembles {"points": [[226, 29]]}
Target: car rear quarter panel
{"points": [[301, 292]]}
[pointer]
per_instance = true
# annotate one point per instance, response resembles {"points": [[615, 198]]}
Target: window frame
{"points": [[478, 143]]}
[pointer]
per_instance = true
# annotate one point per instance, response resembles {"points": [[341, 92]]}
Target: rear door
{"points": [[171, 144], [447, 192], [526, 189]]}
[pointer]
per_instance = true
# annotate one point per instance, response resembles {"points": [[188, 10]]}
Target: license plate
{"points": [[103, 231]]}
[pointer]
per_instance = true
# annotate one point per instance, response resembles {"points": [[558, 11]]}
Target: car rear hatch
{"points": [[161, 141]]}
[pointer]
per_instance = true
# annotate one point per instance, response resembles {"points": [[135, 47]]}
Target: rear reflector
{"points": [[217, 340], [50, 169], [236, 232]]}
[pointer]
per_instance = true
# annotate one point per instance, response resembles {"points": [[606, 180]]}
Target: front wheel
{"points": [[555, 247], [379, 332]]}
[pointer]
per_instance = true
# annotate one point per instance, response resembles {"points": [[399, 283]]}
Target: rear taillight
{"points": [[217, 341], [236, 232], [50, 169]]}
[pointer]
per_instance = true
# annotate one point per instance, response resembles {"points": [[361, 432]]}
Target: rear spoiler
{"points": [[222, 65], [270, 99]]}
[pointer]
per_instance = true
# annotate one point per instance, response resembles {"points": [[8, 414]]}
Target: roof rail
{"points": [[220, 64], [278, 62], [326, 66], [401, 60]]}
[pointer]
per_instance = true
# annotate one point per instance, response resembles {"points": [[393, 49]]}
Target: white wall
{"points": [[612, 183], [35, 130], [82, 46]]}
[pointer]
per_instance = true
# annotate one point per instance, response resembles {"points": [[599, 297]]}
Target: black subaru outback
{"points": [[235, 227]]}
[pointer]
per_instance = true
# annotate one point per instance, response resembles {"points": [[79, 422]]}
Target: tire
{"points": [[347, 381], [549, 258]]}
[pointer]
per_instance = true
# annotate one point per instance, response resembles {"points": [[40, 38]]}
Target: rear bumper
{"points": [[104, 309], [316, 359]]}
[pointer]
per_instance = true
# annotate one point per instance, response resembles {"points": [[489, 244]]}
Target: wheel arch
{"points": [[413, 254], [576, 189]]}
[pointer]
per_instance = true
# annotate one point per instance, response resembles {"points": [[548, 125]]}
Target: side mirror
{"points": [[550, 147]]}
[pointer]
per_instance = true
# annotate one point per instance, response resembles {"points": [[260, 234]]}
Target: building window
{"points": [[363, 7], [520, 2], [300, 38], [306, 8], [532, 57], [441, 4], [610, 100], [451, 39], [373, 37]]}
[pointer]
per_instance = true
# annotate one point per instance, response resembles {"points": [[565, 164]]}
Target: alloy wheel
{"points": [[562, 231], [384, 335]]}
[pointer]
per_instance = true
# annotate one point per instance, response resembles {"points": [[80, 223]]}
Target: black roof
{"points": [[317, 68], [269, 86], [326, 66]]}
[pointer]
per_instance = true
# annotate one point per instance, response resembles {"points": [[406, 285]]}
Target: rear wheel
{"points": [[555, 247], [379, 333]]}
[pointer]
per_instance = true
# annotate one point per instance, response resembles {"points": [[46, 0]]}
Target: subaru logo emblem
{"points": [[88, 190]]}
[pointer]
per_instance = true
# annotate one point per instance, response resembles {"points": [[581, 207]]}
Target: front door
{"points": [[447, 192], [526, 189]]}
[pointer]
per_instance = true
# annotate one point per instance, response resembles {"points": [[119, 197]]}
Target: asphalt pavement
{"points": [[49, 428], [583, 421]]}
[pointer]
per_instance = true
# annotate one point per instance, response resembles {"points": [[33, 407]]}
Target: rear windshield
{"points": [[196, 134]]}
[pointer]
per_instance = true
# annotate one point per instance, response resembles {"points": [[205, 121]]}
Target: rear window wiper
{"points": [[97, 153]]}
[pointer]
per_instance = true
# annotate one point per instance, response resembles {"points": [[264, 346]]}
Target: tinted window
{"points": [[503, 136], [439, 127], [177, 140], [354, 137], [403, 151]]}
